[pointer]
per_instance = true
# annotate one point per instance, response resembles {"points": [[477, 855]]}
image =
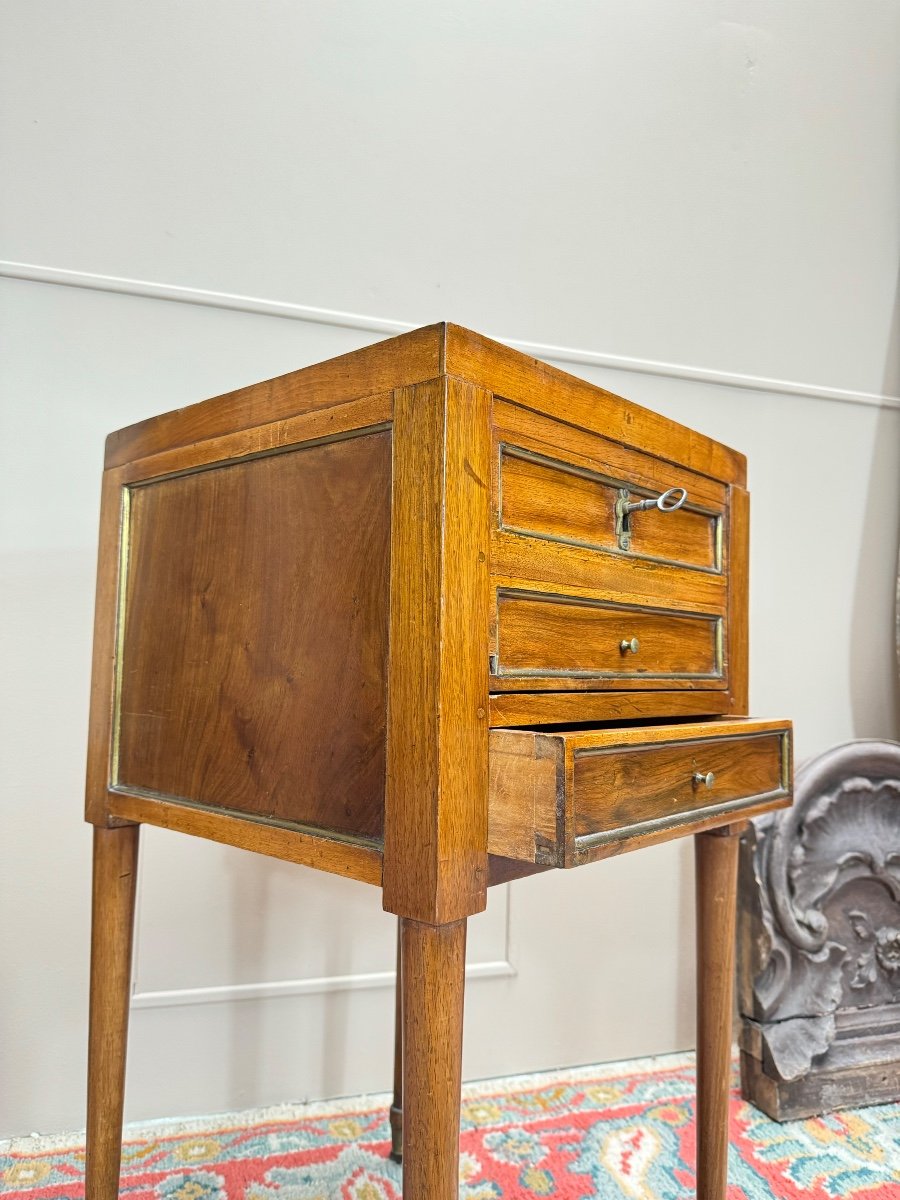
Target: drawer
{"points": [[558, 484], [575, 575], [558, 636], [563, 798], [555, 499]]}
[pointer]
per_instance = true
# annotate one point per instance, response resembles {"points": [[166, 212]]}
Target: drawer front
{"points": [[558, 484], [575, 575], [555, 636], [565, 798], [554, 499], [624, 786]]}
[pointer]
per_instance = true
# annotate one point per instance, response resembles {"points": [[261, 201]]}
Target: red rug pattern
{"points": [[622, 1132]]}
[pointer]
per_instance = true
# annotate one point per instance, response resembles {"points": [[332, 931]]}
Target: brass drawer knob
{"points": [[701, 780], [629, 646]]}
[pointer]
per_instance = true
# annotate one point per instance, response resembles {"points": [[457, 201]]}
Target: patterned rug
{"points": [[620, 1132]]}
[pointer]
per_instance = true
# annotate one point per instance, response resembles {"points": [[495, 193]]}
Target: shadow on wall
{"points": [[874, 669]]}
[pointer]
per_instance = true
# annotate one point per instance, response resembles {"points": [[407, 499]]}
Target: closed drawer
{"points": [[565, 798], [575, 575], [555, 499], [555, 636]]}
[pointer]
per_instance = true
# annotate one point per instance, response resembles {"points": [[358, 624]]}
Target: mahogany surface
{"points": [[236, 595]]}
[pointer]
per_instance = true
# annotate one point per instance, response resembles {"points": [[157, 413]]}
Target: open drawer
{"points": [[562, 798]]}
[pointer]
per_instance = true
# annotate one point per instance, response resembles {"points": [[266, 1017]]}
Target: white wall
{"points": [[713, 186]]}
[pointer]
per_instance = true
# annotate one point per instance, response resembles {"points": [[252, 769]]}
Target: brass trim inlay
{"points": [[591, 841], [121, 598], [317, 831]]}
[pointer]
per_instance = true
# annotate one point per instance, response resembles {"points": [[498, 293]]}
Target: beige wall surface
{"points": [[691, 204]]}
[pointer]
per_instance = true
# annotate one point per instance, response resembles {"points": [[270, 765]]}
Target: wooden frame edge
{"points": [[435, 844], [352, 860]]}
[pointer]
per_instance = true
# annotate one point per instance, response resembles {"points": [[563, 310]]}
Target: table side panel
{"points": [[253, 649], [527, 795]]}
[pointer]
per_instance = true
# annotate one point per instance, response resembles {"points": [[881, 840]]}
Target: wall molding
{"points": [[147, 289], [501, 968]]}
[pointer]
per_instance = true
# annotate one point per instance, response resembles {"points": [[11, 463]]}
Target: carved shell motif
{"points": [[827, 879], [851, 832]]}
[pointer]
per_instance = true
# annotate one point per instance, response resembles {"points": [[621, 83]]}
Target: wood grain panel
{"points": [[527, 790], [521, 562], [435, 850], [546, 498], [552, 636], [623, 787], [516, 426], [253, 658], [273, 437]]}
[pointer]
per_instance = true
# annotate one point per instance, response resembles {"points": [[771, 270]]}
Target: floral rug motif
{"points": [[620, 1132]]}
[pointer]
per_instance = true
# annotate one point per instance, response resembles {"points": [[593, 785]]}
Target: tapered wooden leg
{"points": [[397, 1106], [434, 974], [716, 874], [115, 871]]}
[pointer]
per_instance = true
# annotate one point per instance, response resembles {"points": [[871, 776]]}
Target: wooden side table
{"points": [[432, 615]]}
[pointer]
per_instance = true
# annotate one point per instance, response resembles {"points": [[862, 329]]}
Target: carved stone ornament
{"points": [[819, 939]]}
